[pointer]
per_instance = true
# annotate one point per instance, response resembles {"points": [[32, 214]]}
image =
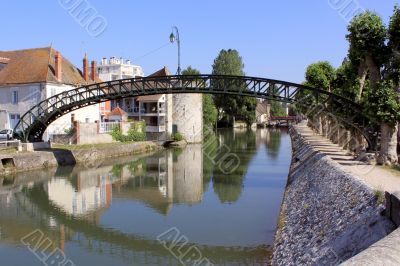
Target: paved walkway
{"points": [[378, 177]]}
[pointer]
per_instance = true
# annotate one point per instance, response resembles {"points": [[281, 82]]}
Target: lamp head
{"points": [[172, 38]]}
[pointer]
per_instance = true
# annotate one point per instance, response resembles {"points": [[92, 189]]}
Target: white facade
{"points": [[115, 68], [187, 116], [15, 101]]}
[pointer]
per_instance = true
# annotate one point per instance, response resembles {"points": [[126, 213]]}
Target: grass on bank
{"points": [[9, 150], [379, 196]]}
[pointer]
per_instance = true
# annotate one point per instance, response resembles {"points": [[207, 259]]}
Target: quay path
{"points": [[378, 177]]}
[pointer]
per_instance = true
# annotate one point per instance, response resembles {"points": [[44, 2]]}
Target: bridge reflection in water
{"points": [[114, 212]]}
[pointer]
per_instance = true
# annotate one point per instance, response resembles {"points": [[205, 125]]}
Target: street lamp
{"points": [[175, 37]]}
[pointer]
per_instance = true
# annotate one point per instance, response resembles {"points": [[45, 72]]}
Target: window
{"points": [[14, 97], [87, 120], [14, 119]]}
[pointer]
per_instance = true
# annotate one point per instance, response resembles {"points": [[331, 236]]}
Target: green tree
{"points": [[321, 75], [382, 104], [386, 103], [229, 62], [210, 113], [393, 66], [277, 109], [367, 36]]}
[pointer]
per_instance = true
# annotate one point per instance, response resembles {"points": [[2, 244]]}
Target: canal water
{"points": [[217, 202]]}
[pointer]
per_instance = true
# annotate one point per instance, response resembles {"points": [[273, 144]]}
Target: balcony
{"points": [[136, 111]]}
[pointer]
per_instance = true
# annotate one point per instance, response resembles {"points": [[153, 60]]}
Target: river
{"points": [[216, 203]]}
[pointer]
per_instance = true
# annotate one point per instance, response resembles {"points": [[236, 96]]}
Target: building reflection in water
{"points": [[67, 203], [159, 181]]}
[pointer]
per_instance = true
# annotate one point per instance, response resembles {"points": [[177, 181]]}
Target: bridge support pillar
{"points": [[356, 143], [319, 124], [347, 141], [341, 136], [322, 125], [332, 130]]}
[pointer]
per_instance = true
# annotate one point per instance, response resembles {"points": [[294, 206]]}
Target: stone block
{"points": [[388, 210], [395, 207]]}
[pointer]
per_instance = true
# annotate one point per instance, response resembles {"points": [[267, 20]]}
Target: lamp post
{"points": [[175, 37]]}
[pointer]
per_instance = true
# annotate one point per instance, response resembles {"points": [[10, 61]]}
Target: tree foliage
{"points": [[368, 51], [321, 75], [367, 35], [229, 62], [393, 65], [382, 105]]}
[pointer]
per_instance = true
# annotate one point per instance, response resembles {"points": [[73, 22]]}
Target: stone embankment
{"points": [[327, 215], [90, 155]]}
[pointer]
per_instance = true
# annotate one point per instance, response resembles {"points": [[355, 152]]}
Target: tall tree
{"points": [[229, 62], [210, 113], [388, 107], [367, 35], [321, 75], [382, 104], [393, 67]]}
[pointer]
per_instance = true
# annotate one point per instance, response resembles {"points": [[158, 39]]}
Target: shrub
{"points": [[133, 135], [69, 131], [116, 133], [178, 136]]}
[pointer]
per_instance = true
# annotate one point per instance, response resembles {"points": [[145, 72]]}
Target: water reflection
{"points": [[103, 215]]}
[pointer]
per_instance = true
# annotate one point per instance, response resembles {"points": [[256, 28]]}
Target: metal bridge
{"points": [[33, 123]]}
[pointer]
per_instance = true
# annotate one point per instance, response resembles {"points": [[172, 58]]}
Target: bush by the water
{"points": [[178, 136], [132, 135]]}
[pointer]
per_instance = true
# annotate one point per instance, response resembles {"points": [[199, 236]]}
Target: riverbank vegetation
{"points": [[137, 132], [369, 75]]}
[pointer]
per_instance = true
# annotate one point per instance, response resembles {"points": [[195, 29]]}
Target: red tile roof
{"points": [[118, 112], [37, 65], [161, 73]]}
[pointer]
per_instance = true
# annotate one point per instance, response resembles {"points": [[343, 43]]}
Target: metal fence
{"points": [[107, 127]]}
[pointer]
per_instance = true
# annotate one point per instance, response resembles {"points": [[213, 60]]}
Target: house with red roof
{"points": [[31, 75]]}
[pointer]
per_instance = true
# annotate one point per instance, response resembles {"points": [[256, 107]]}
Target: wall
{"points": [[88, 156], [4, 123], [188, 116], [87, 133], [327, 215]]}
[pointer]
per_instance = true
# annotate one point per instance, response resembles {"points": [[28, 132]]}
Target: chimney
{"points": [[58, 67], [94, 70], [86, 68]]}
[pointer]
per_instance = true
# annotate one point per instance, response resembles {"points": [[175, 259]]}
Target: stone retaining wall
{"points": [[327, 215], [90, 156]]}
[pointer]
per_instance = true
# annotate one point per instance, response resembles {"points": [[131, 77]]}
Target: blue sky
{"points": [[277, 39]]}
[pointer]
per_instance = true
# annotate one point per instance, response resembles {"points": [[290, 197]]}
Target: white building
{"points": [[115, 68], [32, 75], [164, 114]]}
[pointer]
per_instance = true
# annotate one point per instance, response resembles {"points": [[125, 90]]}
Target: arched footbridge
{"points": [[33, 123]]}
